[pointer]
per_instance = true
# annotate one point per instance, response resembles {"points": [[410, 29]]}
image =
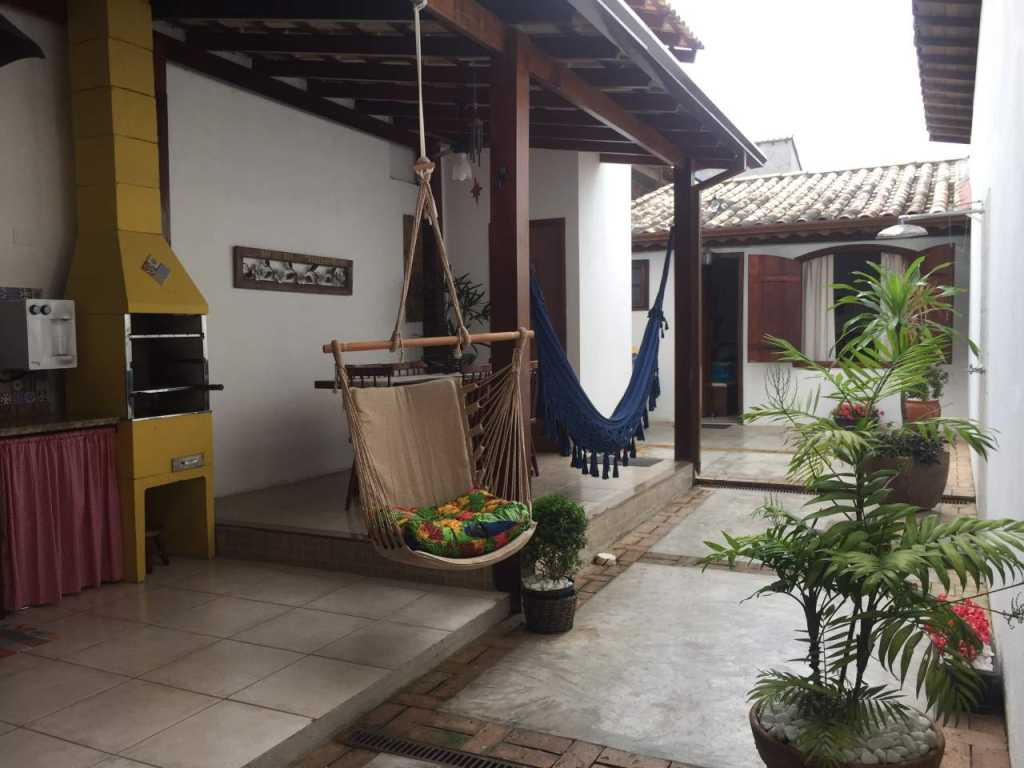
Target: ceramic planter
{"points": [[919, 484], [780, 754], [549, 612], [919, 410]]}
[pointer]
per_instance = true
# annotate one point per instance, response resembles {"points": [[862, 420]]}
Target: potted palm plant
{"points": [[550, 561], [862, 568], [898, 310]]}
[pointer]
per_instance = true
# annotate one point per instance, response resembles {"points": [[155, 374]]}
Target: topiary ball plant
{"points": [[552, 557]]}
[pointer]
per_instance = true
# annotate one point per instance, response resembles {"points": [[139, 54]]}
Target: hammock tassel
{"points": [[583, 462], [593, 464], [607, 466], [632, 448], [615, 467], [575, 457], [625, 457]]}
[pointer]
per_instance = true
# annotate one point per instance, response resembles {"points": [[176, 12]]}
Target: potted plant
{"points": [[917, 456], [923, 402], [847, 414], [550, 561], [895, 311], [476, 311], [862, 569]]}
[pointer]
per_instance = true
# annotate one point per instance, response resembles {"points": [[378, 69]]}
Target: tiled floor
{"points": [[760, 454], [213, 663], [656, 665]]}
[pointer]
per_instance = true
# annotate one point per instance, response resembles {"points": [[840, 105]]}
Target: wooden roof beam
{"points": [[247, 79], [286, 10], [473, 20]]}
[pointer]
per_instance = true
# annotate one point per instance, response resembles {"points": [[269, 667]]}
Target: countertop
{"points": [[23, 430]]}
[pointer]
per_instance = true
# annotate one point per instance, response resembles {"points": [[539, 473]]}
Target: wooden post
{"points": [[510, 193], [510, 228], [688, 336]]}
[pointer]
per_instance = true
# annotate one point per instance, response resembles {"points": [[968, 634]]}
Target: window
{"points": [[641, 284], [846, 267], [792, 298]]}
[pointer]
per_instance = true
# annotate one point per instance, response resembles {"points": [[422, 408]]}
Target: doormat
{"points": [[717, 426], [644, 461], [20, 637]]}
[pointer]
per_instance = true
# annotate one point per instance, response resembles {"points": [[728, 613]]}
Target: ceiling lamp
{"points": [[15, 44], [461, 169], [902, 230]]}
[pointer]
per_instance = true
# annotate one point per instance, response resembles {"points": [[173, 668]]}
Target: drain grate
{"points": [[717, 426], [381, 742], [752, 485]]}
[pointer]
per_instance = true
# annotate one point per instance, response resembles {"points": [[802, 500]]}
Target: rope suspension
{"points": [[496, 444]]}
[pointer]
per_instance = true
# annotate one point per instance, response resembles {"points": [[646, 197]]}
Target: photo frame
{"points": [[263, 269]]}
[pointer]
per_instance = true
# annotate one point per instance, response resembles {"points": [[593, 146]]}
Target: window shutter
{"points": [[774, 304]]}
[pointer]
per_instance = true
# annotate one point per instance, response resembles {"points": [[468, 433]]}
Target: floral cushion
{"points": [[473, 524]]}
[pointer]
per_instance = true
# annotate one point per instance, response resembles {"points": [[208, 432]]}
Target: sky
{"points": [[839, 76]]}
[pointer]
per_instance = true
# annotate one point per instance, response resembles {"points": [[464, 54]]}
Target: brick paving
{"points": [[976, 741]]}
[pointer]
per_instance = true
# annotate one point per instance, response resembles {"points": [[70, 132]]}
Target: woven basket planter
{"points": [[551, 612], [781, 754]]}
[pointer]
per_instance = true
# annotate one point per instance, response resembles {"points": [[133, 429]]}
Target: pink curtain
{"points": [[61, 515]]}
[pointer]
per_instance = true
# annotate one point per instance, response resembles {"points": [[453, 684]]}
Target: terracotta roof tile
{"points": [[819, 196]]}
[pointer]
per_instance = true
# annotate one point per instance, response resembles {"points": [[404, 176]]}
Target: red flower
{"points": [[974, 617]]}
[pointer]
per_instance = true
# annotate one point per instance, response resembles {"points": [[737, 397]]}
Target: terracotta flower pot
{"points": [[919, 484], [919, 410], [781, 754]]}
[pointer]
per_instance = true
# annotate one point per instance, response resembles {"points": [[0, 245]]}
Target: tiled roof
{"points": [[663, 20], [804, 198]]}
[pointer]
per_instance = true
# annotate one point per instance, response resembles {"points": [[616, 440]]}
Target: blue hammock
{"points": [[570, 417]]}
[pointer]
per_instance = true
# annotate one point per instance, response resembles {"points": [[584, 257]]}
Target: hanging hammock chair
{"points": [[440, 445]]}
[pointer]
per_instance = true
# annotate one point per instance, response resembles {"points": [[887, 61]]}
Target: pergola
{"points": [[578, 75]]}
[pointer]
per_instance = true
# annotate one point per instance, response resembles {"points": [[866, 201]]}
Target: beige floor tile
{"points": [[79, 632], [123, 716], [140, 651], [181, 568], [368, 599], [95, 596], [42, 614], [19, 662], [287, 588], [120, 762], [48, 686], [444, 610], [384, 644], [26, 749], [6, 728], [223, 668], [223, 616], [225, 577], [151, 605], [303, 630], [311, 687], [227, 735]]}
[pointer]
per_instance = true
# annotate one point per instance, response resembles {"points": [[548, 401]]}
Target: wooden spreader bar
{"points": [[426, 341]]}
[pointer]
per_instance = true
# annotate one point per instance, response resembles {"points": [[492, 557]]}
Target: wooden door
{"points": [[547, 260]]}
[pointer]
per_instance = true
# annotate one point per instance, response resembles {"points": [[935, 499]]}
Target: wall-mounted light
{"points": [[905, 229]]}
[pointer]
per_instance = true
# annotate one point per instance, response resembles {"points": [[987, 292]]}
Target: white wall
{"points": [[666, 410], [247, 171], [594, 200], [755, 375], [997, 397], [36, 185]]}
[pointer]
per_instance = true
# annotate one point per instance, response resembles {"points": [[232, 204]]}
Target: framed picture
{"points": [[266, 270]]}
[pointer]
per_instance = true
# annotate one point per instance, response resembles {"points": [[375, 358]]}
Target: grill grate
{"points": [[380, 742]]}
